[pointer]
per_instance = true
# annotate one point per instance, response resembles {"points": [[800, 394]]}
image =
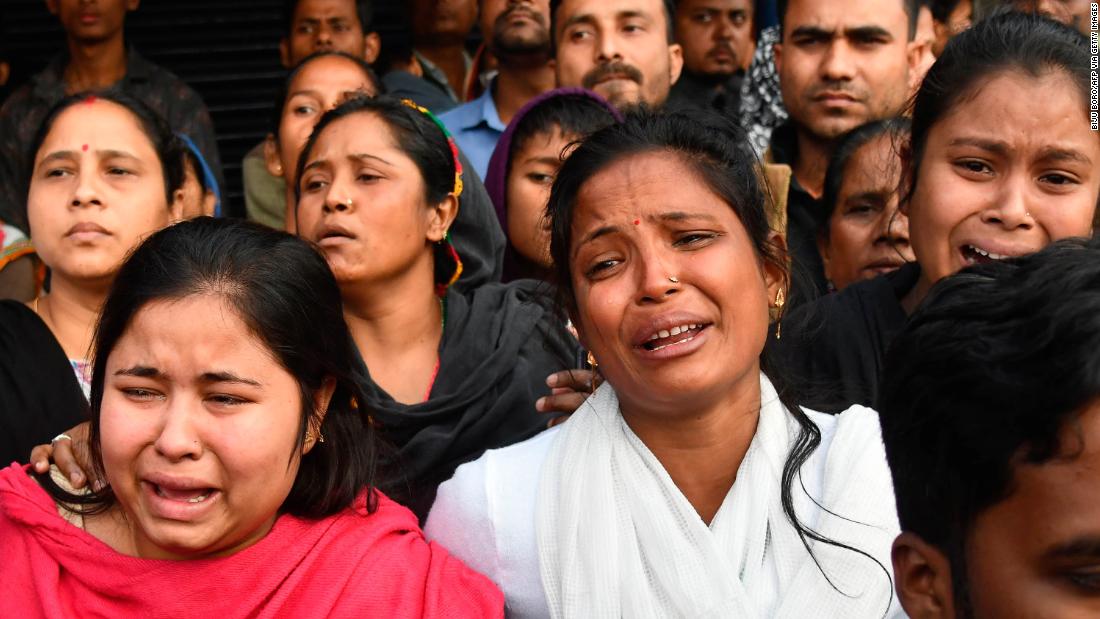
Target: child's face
{"points": [[535, 164]]}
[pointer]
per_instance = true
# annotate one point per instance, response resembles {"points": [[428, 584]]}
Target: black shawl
{"points": [[499, 344], [39, 394]]}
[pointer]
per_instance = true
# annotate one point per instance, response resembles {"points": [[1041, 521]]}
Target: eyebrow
{"points": [[144, 371], [362, 156], [855, 32], [669, 216], [1086, 546], [543, 159], [1054, 153], [878, 194], [993, 146], [72, 154]]}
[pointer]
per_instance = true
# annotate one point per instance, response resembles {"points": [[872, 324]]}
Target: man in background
{"points": [[96, 57], [718, 38], [517, 34]]}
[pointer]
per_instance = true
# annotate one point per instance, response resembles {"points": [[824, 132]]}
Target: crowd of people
{"points": [[561, 308]]}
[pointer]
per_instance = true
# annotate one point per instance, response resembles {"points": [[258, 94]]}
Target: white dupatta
{"points": [[616, 537]]}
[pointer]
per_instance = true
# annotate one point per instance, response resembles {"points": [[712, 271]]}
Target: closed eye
{"points": [[694, 239], [224, 399], [139, 394]]}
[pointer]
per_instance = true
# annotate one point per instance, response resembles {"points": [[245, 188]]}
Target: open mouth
{"points": [[189, 495], [673, 337], [976, 255]]}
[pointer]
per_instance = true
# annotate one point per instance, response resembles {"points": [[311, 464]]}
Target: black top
{"points": [[499, 344], [405, 85], [39, 394], [693, 92], [805, 214], [835, 347]]}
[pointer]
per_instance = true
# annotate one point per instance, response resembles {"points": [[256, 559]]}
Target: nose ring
{"points": [[672, 278]]}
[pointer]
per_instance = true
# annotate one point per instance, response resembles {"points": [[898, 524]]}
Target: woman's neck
{"points": [[397, 327], [912, 299], [701, 444], [71, 312]]}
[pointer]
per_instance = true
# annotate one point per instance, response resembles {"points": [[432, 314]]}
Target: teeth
{"points": [[674, 343], [199, 499], [674, 331], [987, 254]]}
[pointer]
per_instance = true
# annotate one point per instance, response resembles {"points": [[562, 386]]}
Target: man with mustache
{"points": [[518, 36], [623, 50], [719, 38], [96, 57], [841, 63]]}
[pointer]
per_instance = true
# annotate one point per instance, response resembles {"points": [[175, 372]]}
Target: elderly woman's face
{"points": [[671, 296], [199, 429]]}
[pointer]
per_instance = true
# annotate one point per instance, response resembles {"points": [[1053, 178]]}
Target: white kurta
{"points": [[582, 520]]}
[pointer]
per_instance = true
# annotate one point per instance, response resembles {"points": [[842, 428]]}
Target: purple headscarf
{"points": [[496, 178]]}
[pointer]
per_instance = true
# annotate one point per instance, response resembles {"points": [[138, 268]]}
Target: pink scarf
{"points": [[350, 564]]}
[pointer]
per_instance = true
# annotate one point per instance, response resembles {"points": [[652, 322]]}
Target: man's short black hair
{"points": [[997, 362], [363, 9], [941, 9], [670, 25], [912, 10]]}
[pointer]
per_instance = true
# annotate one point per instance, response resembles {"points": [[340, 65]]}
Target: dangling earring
{"points": [[595, 366], [780, 300]]}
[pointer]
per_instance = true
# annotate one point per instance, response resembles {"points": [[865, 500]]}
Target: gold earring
{"points": [[780, 300], [592, 379]]}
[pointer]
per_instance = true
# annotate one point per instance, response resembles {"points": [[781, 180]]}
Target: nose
{"points": [[658, 280], [894, 227], [607, 48], [179, 438], [86, 192], [323, 39], [838, 63], [724, 28], [1010, 208], [338, 198]]}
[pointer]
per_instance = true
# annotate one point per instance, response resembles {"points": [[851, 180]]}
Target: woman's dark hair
{"points": [[573, 115], [848, 145], [414, 133], [284, 88], [1012, 41], [718, 152], [169, 148], [997, 362], [283, 290]]}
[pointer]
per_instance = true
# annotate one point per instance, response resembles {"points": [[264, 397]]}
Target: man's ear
{"points": [[922, 576], [284, 52], [777, 56], [5, 73], [272, 161], [372, 46], [51, 6], [441, 216], [132, 5], [675, 62]]}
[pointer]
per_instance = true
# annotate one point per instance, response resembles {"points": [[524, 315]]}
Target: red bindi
{"points": [[90, 99], [637, 221], [84, 148]]}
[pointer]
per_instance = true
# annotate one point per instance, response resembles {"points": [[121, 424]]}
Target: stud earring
{"points": [[673, 279]]}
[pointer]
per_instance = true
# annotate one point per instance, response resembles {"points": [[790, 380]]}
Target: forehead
{"points": [[323, 9], [685, 6], [1025, 112], [842, 14], [1057, 500], [609, 9], [875, 163], [332, 76], [101, 125], [361, 133], [642, 185]]}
